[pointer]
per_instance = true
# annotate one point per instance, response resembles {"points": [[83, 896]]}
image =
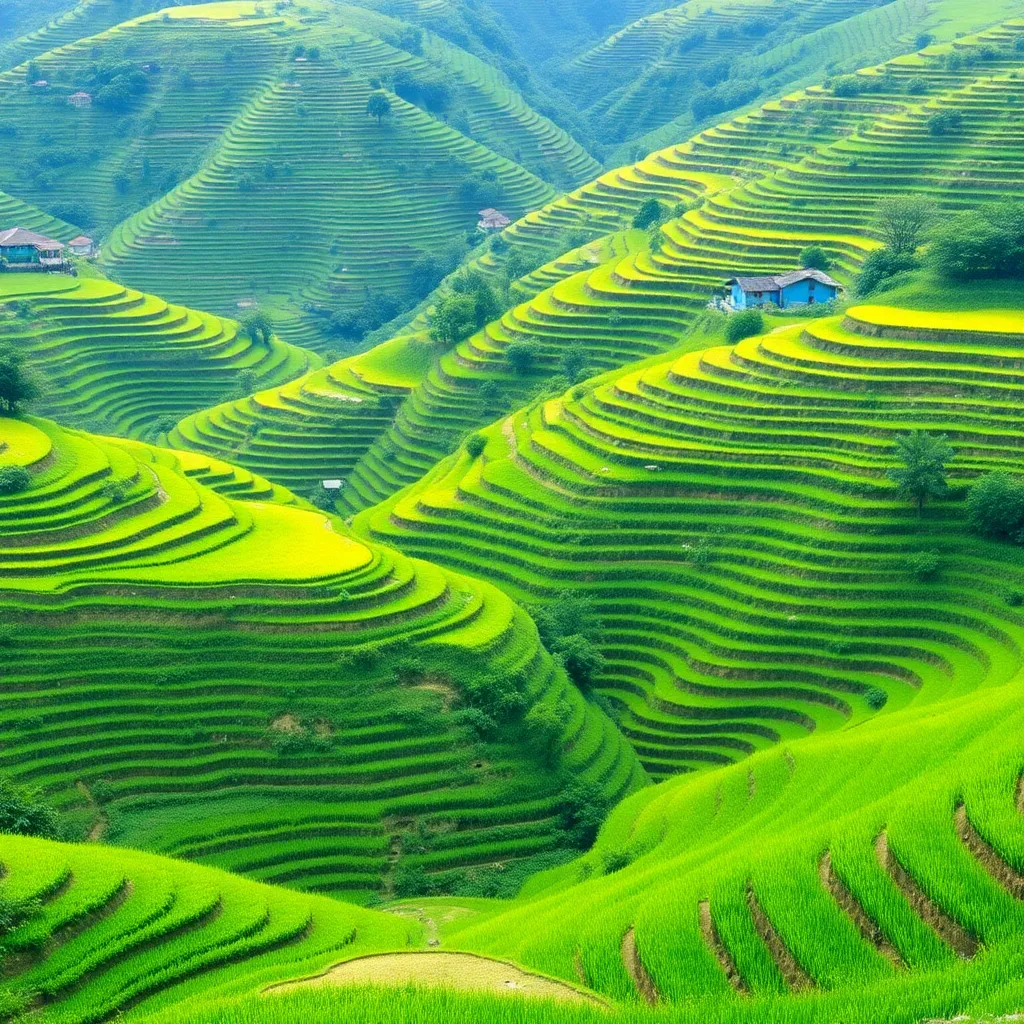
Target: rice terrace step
{"points": [[433, 590]]}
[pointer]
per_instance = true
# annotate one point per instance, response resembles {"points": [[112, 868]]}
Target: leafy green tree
{"points": [[902, 221], [945, 122], [14, 479], [650, 212], [995, 507], [880, 266], [583, 661], [921, 473], [573, 363], [378, 106], [19, 383], [453, 319], [475, 445], [32, 73], [259, 327], [23, 813], [981, 243], [744, 324], [521, 356], [815, 257]]}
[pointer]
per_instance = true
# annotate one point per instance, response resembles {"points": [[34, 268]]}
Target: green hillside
{"points": [[128, 363], [733, 505], [758, 190], [224, 144], [342, 691]]}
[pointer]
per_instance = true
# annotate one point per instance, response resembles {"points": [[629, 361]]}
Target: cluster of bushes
{"points": [[995, 507], [471, 304], [117, 84], [354, 324], [985, 243], [570, 628], [850, 86], [426, 89]]}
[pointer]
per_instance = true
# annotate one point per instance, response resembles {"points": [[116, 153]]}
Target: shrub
{"points": [[945, 122], [582, 659], [19, 384], [924, 565], [744, 324], [917, 87], [454, 319], [876, 698], [573, 363], [880, 266], [984, 243], [22, 813], [995, 507], [814, 257], [14, 479], [521, 356], [475, 445], [582, 810], [650, 212], [847, 86]]}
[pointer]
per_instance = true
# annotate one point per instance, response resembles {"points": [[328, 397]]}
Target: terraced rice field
{"points": [[194, 667], [733, 507], [263, 166], [868, 875], [128, 363], [796, 180], [109, 928], [762, 187]]}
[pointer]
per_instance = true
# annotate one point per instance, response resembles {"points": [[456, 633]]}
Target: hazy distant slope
{"points": [[227, 106]]}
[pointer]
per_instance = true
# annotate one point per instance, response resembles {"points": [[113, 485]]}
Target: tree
{"points": [[814, 257], [922, 470], [573, 363], [881, 265], [902, 221], [18, 384], [521, 356], [744, 324], [453, 319], [650, 212], [944, 122], [982, 243], [378, 106], [259, 327], [22, 813], [475, 445], [995, 507], [14, 479]]}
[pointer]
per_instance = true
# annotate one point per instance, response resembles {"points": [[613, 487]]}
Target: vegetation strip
{"points": [[852, 908], [963, 943], [795, 977], [1005, 874], [714, 942], [645, 986]]}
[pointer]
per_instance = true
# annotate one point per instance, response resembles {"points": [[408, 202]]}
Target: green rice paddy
{"points": [[279, 740]]}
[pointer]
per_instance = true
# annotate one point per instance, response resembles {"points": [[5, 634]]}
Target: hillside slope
{"points": [[127, 363], [732, 504], [192, 666], [756, 191], [230, 144], [101, 929]]}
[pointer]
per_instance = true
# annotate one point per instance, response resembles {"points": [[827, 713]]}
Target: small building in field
{"points": [[83, 245], [492, 220], [26, 250], [41, 84], [80, 100], [331, 485], [797, 288]]}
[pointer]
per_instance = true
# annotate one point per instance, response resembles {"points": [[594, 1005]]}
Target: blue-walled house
{"points": [[797, 288], [26, 250]]}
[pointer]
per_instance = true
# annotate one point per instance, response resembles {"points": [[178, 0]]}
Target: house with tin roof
{"points": [[797, 288], [25, 250]]}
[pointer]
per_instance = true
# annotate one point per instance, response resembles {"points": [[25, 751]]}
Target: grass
{"points": [[231, 122], [254, 688], [123, 362]]}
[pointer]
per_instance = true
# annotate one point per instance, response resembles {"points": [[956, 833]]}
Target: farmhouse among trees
{"points": [[797, 288], [493, 220], [26, 250]]}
